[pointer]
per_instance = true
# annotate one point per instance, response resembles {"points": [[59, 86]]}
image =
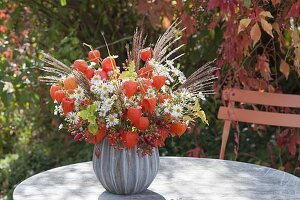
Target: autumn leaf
{"points": [[266, 14], [166, 23], [267, 27], [292, 148], [276, 27], [244, 23], [263, 66], [255, 33], [297, 60], [295, 37], [285, 68], [294, 10], [274, 2]]}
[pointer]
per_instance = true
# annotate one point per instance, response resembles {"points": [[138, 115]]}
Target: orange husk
{"points": [[142, 123], [145, 84], [130, 139], [158, 81], [130, 88], [178, 128], [70, 83], [146, 72], [97, 138], [163, 97], [134, 114], [149, 104], [53, 89]]}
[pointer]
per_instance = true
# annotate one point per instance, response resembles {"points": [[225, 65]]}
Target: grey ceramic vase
{"points": [[124, 171]]}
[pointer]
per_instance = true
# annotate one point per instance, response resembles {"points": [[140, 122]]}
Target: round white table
{"points": [[178, 179]]}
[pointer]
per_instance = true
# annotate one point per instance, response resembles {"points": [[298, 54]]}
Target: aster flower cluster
{"points": [[128, 106]]}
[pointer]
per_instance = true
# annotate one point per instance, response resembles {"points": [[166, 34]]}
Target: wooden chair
{"points": [[231, 113]]}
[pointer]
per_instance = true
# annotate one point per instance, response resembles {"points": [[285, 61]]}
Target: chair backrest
{"points": [[231, 113], [260, 117]]}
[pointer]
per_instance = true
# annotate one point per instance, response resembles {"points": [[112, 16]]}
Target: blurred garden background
{"points": [[256, 43]]}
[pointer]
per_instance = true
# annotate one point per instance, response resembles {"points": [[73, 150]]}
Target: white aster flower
{"points": [[109, 87], [201, 96], [98, 103], [150, 93], [112, 120], [104, 96], [114, 97], [78, 93], [96, 80], [185, 94], [60, 126], [167, 110], [76, 106], [115, 83], [176, 111], [102, 112], [72, 118], [58, 109], [108, 102]]}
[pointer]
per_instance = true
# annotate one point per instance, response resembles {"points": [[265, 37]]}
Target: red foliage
{"points": [[259, 46]]}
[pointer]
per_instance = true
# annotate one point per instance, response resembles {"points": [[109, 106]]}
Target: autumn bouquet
{"points": [[129, 105]]}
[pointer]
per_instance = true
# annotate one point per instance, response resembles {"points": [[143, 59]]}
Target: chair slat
{"points": [[263, 98], [259, 117]]}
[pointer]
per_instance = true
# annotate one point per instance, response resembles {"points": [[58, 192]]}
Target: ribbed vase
{"points": [[124, 171]]}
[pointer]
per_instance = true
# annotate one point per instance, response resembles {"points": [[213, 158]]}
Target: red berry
{"points": [[130, 88], [59, 95], [78, 137], [158, 81], [130, 138], [67, 105], [134, 114], [80, 65], [53, 89], [89, 73], [94, 56], [146, 54], [102, 74], [108, 64], [142, 123], [163, 133]]}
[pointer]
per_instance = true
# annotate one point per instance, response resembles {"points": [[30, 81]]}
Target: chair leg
{"points": [[225, 135]]}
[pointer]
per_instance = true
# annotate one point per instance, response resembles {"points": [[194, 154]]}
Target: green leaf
{"points": [[91, 118], [200, 113], [84, 114], [187, 118], [92, 108], [63, 2], [89, 113], [130, 73], [93, 128], [131, 67]]}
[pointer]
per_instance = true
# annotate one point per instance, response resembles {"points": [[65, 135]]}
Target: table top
{"points": [[179, 178]]}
